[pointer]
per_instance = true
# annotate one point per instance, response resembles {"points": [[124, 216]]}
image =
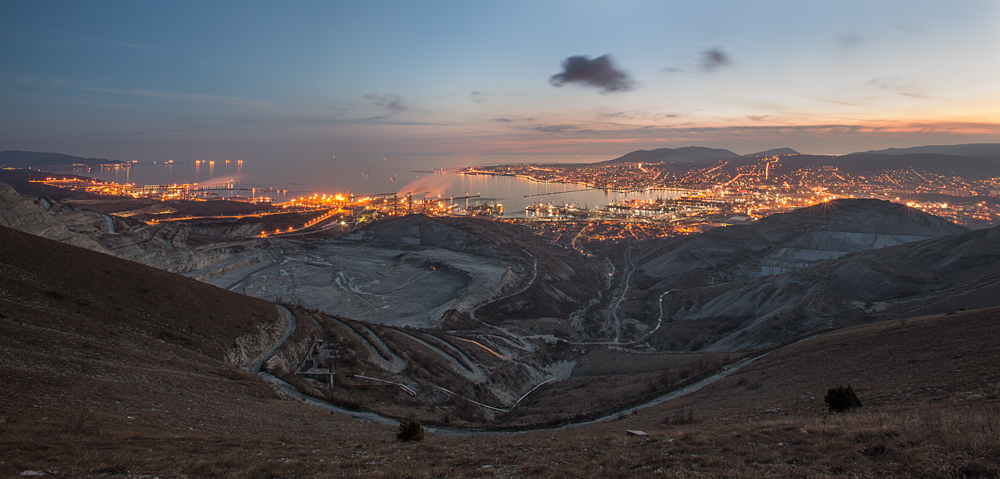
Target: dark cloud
{"points": [[478, 96], [714, 58], [757, 117], [505, 120], [599, 72], [553, 128], [390, 101]]}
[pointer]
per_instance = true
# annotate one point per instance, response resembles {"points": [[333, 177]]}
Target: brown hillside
{"points": [[899, 364], [96, 347], [90, 391], [43, 279]]}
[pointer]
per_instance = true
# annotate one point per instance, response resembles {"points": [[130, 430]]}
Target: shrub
{"points": [[841, 399], [410, 431]]}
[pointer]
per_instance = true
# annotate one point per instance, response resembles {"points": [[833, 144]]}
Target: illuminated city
{"points": [[681, 198], [734, 191]]}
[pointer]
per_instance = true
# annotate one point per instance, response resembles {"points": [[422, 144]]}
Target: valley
{"points": [[479, 327]]}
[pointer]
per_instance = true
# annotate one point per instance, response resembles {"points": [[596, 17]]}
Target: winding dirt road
{"points": [[290, 325]]}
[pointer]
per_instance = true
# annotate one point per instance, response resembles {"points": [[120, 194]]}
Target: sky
{"points": [[485, 82]]}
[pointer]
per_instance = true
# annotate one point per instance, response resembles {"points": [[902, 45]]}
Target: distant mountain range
{"points": [[687, 153], [695, 153], [33, 159], [927, 154], [973, 161], [775, 152], [980, 150]]}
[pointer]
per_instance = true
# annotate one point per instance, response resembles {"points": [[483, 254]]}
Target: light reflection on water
{"points": [[364, 176]]}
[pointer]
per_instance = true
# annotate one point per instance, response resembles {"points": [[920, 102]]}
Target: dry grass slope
{"points": [[90, 391]]}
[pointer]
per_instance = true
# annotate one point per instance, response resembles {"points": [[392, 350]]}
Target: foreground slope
{"points": [[93, 342], [83, 401]]}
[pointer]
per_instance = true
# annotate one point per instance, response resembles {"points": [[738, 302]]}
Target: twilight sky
{"points": [[493, 81]]}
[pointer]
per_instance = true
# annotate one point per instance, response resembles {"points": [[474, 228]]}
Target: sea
{"points": [[361, 176]]}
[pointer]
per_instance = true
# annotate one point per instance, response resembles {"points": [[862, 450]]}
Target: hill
{"points": [[939, 275], [89, 391], [199, 250], [687, 153], [33, 159], [89, 336], [775, 152], [969, 167], [981, 150], [858, 164], [930, 392], [816, 268], [785, 242]]}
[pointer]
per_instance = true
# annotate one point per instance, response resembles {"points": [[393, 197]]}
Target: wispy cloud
{"points": [[599, 73], [478, 96], [503, 120], [637, 115], [389, 101], [894, 85], [708, 60], [835, 102], [193, 97], [554, 128]]}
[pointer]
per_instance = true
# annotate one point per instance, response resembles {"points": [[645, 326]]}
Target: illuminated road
{"points": [[505, 358]]}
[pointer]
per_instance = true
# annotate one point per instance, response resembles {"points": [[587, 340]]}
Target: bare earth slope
{"points": [[932, 276], [94, 344], [790, 241], [90, 391], [173, 247]]}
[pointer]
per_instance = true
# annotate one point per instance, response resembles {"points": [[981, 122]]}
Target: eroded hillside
{"points": [[465, 321]]}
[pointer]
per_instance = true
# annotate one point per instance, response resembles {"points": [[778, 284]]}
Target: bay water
{"points": [[418, 176]]}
